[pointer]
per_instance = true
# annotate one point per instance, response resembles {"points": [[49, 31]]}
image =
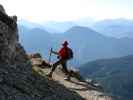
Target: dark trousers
{"points": [[62, 62]]}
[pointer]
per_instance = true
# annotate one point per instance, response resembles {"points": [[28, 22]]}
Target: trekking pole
{"points": [[49, 60]]}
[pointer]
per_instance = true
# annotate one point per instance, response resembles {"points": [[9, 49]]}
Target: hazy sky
{"points": [[63, 10]]}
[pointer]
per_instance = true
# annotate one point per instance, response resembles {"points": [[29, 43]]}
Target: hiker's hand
{"points": [[52, 51]]}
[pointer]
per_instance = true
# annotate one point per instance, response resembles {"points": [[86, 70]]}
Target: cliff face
{"points": [[11, 51], [17, 82]]}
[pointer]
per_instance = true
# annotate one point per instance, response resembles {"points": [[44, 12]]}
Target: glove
{"points": [[51, 50]]}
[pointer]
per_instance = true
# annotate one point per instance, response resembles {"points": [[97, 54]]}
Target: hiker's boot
{"points": [[68, 78]]}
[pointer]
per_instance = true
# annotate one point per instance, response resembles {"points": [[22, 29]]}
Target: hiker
{"points": [[64, 54]]}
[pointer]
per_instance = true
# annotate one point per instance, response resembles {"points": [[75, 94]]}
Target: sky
{"points": [[68, 10]]}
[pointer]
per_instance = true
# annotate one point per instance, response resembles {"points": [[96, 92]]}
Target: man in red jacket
{"points": [[63, 58]]}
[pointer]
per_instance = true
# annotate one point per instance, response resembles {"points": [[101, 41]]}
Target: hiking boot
{"points": [[67, 78]]}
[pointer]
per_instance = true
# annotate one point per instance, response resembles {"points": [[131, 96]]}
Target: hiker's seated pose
{"points": [[64, 54]]}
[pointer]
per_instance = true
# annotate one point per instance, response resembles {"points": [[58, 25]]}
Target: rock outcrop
{"points": [[17, 82]]}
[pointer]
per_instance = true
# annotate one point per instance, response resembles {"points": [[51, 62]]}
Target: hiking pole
{"points": [[49, 60]]}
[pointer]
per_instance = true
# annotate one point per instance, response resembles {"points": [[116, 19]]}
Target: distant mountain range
{"points": [[55, 26], [29, 24], [118, 28], [58, 26], [115, 74], [86, 43]]}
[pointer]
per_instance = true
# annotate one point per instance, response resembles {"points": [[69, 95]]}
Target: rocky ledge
{"points": [[17, 82]]}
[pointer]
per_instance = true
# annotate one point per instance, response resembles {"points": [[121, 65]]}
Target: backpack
{"points": [[70, 53]]}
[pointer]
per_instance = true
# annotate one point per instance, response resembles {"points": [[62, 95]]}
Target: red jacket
{"points": [[63, 53]]}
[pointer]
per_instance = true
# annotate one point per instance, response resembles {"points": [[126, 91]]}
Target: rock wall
{"points": [[17, 82]]}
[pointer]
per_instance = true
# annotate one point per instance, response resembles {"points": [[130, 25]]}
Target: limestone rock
{"points": [[17, 82]]}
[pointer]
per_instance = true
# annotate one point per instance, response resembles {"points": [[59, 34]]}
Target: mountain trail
{"points": [[84, 89]]}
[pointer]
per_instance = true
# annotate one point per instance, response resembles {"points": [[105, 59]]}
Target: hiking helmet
{"points": [[65, 43]]}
